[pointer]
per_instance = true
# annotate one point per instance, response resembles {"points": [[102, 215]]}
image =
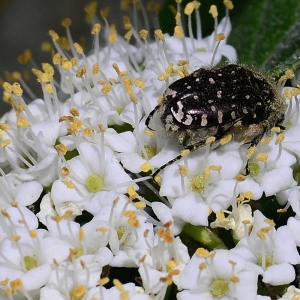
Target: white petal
{"points": [[191, 208], [277, 180], [279, 274]]}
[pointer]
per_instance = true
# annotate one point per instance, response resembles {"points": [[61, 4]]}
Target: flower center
{"points": [[30, 262], [253, 168], [150, 152], [94, 183], [119, 109], [266, 263], [120, 232], [219, 287], [77, 293], [197, 184]]}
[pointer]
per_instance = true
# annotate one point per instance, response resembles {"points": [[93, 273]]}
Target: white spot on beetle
{"points": [[211, 81], [245, 111], [179, 114], [170, 92], [204, 120], [220, 116], [188, 120]]}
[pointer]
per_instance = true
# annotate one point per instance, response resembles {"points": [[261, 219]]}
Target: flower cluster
{"points": [[85, 165]]}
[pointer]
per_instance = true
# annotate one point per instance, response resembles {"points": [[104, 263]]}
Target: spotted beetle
{"points": [[215, 102]]}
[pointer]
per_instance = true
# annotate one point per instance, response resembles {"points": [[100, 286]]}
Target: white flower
{"points": [[274, 250], [292, 293], [220, 274]]}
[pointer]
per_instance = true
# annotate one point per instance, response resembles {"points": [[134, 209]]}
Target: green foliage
{"points": [[265, 33]]}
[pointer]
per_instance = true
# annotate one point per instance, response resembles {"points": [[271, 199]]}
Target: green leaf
{"points": [[266, 32]]}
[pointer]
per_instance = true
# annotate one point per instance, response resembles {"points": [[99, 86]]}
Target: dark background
{"points": [[25, 24]]}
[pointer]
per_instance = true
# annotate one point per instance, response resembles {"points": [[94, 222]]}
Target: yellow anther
{"points": [[25, 57], [146, 167], [49, 88], [68, 183], [178, 32], [226, 139], [182, 62], [96, 28], [220, 37], [251, 151], [228, 4], [113, 34], [75, 126], [16, 89], [275, 129], [143, 34], [44, 77], [215, 168], [240, 177], [54, 35], [56, 59], [127, 23], [74, 61], [206, 173], [104, 12], [78, 48], [7, 87], [128, 35], [185, 152], [220, 215], [106, 89], [118, 284], [74, 112], [87, 132], [263, 157], [267, 140], [183, 170], [22, 122], [61, 149], [270, 222], [66, 22], [178, 18], [210, 140], [164, 76], [101, 128], [140, 83], [189, 8], [159, 35], [66, 118], [280, 138], [65, 171], [202, 252], [48, 68], [103, 281], [16, 76], [287, 75], [213, 11], [5, 143], [149, 133], [117, 69], [91, 8], [160, 100], [67, 65]]}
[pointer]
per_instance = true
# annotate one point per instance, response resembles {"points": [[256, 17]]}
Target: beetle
{"points": [[215, 102]]}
